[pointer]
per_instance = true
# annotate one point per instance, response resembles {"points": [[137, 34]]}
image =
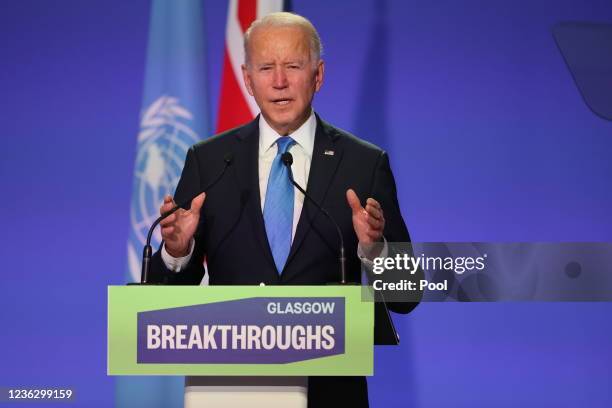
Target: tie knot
{"points": [[284, 143]]}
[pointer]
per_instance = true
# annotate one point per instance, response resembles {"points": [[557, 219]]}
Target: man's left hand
{"points": [[368, 222]]}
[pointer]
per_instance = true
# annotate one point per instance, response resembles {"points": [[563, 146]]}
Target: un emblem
{"points": [[164, 138]]}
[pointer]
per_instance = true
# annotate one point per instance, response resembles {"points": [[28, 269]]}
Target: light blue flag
{"points": [[174, 116]]}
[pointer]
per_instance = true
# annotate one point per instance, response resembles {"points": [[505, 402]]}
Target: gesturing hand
{"points": [[368, 222], [178, 229]]}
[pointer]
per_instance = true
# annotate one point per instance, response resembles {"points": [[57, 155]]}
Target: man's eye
{"points": [[265, 68], [294, 66]]}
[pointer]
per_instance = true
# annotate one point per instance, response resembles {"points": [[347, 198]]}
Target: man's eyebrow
{"points": [[263, 64]]}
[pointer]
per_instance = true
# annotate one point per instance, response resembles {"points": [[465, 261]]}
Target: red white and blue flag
{"points": [[236, 106]]}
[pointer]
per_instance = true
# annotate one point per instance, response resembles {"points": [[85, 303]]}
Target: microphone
{"points": [[287, 160], [147, 250]]}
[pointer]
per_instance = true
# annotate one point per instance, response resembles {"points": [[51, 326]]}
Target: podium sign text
{"points": [[239, 330]]}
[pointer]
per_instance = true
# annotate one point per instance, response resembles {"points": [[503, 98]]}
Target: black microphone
{"points": [[287, 160], [147, 250]]}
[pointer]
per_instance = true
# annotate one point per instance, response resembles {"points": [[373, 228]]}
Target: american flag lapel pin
{"points": [[329, 153]]}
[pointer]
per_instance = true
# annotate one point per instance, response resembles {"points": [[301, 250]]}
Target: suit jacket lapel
{"points": [[325, 159], [247, 174]]}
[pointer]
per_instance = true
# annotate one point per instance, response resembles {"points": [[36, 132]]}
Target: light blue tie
{"points": [[278, 207]]}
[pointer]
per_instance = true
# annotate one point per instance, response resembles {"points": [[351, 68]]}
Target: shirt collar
{"points": [[304, 136]]}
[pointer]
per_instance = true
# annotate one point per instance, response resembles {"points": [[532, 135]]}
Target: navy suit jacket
{"points": [[232, 234]]}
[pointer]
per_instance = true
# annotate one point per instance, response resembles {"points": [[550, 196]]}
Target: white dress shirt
{"points": [[301, 151]]}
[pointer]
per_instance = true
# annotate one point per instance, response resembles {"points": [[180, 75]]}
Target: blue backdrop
{"points": [[489, 138]]}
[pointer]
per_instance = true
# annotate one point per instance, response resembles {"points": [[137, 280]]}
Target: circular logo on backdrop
{"points": [[164, 138]]}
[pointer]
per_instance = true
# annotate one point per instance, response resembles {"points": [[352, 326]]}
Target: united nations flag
{"points": [[174, 114]]}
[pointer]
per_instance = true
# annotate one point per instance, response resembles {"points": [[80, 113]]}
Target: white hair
{"points": [[285, 19]]}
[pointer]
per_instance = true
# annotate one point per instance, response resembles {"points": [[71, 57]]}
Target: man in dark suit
{"points": [[252, 227]]}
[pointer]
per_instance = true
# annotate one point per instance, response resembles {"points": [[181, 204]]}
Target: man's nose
{"points": [[280, 78]]}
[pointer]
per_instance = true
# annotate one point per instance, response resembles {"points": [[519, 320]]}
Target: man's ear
{"points": [[319, 75], [247, 79]]}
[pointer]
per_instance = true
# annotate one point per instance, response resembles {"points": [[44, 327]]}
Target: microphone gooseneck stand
{"points": [[287, 160]]}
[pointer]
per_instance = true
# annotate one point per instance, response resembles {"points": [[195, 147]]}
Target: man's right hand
{"points": [[178, 229]]}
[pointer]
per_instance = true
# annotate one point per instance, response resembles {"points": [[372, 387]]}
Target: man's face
{"points": [[282, 76]]}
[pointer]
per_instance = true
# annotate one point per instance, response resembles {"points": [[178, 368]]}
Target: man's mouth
{"points": [[281, 101]]}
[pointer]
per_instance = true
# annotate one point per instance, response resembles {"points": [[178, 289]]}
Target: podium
{"points": [[240, 343]]}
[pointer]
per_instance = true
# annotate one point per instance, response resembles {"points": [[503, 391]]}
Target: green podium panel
{"points": [[239, 330]]}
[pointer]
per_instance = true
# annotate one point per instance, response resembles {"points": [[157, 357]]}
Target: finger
{"points": [[353, 201], [374, 230], [176, 231], [373, 202], [167, 232], [373, 223], [168, 220], [373, 211], [169, 201], [197, 202], [171, 233], [166, 206]]}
